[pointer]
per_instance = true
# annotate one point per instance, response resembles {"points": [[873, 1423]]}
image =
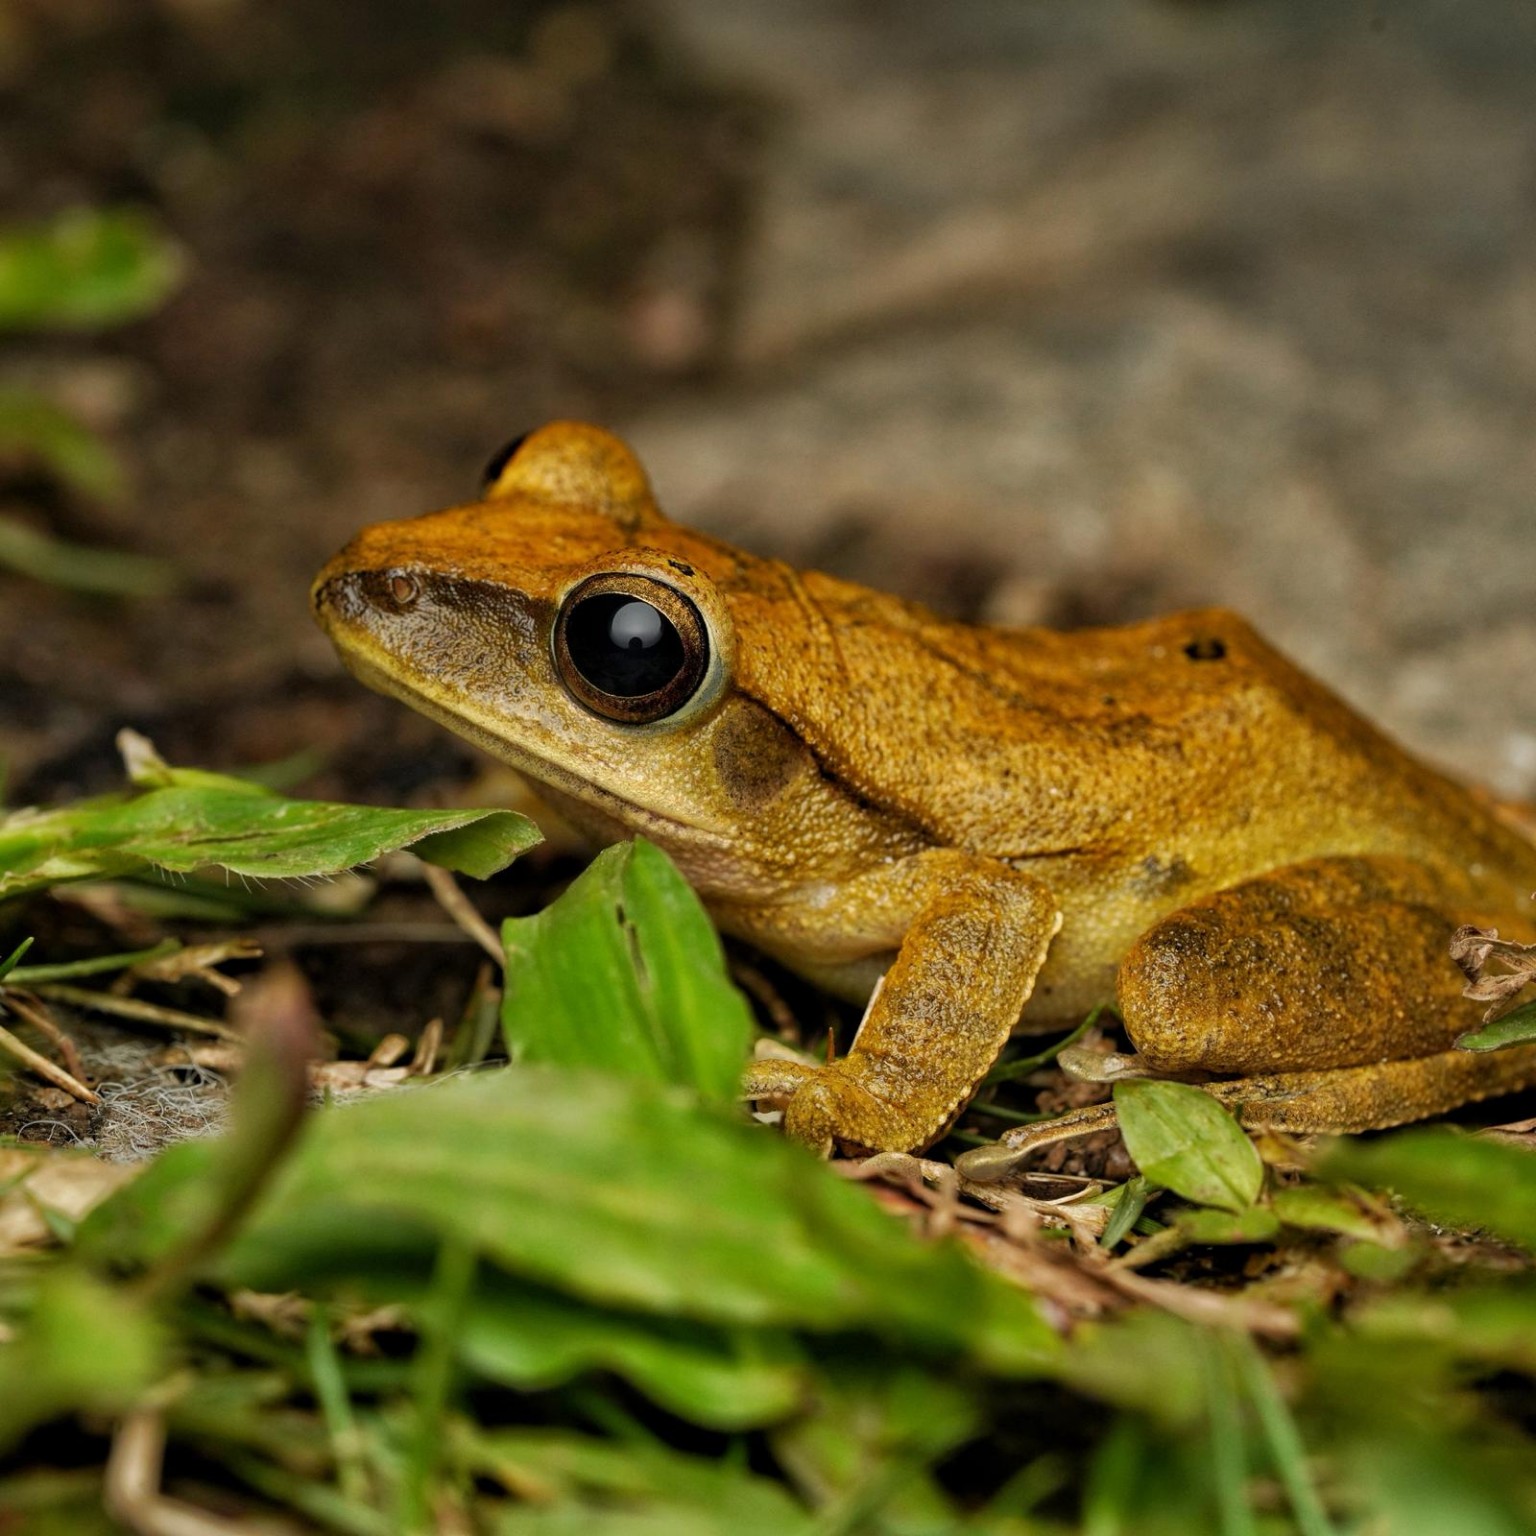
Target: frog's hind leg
{"points": [[1324, 993], [1326, 988]]}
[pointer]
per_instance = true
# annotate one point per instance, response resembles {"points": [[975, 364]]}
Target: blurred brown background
{"points": [[1042, 310]]}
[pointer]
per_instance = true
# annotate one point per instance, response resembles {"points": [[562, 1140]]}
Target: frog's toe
{"points": [[774, 1077], [827, 1106]]}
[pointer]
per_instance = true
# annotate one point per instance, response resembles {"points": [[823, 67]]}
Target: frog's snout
{"points": [[343, 598], [336, 599]]}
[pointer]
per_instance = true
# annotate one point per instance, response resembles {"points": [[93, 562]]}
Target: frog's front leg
{"points": [[973, 936]]}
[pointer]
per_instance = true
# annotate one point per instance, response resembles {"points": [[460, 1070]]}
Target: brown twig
{"points": [[36, 1062], [30, 1008], [458, 906], [132, 1008], [131, 1488]]}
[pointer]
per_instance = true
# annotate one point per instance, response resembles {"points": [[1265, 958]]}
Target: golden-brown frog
{"points": [[1168, 813]]}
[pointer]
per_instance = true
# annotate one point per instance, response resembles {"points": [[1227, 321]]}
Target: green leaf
{"points": [[594, 1487], [1207, 1227], [96, 965], [482, 845], [1287, 1453], [1130, 1201], [730, 1379], [195, 819], [1452, 1178], [1493, 1323], [35, 428], [620, 1194], [1325, 1210], [84, 1348], [879, 1424], [81, 568], [1185, 1141], [1517, 1027], [1145, 1361], [9, 964], [625, 974], [1424, 1486], [86, 269]]}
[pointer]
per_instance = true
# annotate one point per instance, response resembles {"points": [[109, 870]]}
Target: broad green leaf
{"points": [[1453, 1178], [589, 1487], [1184, 1140], [85, 269], [199, 820], [1424, 1486], [1515, 1028], [83, 1348], [624, 974], [530, 1338], [1492, 1323], [621, 1194]]}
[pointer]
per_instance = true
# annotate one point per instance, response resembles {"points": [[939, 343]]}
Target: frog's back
{"points": [[1186, 752]]}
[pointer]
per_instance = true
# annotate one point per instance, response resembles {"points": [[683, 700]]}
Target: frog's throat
{"points": [[668, 830]]}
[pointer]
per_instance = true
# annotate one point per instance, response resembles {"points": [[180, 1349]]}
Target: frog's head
{"points": [[564, 625]]}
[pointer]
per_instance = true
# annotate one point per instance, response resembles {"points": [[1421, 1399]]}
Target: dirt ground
{"points": [[1036, 310]]}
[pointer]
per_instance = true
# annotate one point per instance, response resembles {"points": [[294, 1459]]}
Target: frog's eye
{"points": [[630, 648]]}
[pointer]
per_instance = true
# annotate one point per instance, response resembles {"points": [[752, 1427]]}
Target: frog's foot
{"points": [[826, 1106], [1003, 1159], [1339, 1100], [1371, 1098]]}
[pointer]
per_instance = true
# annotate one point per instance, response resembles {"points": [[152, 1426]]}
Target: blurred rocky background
{"points": [[1061, 311]]}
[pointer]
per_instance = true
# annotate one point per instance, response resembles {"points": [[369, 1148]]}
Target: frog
{"points": [[973, 829]]}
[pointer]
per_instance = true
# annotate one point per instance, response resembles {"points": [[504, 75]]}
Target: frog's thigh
{"points": [[1335, 962], [976, 934]]}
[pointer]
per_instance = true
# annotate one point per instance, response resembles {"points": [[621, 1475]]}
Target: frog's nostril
{"points": [[352, 594]]}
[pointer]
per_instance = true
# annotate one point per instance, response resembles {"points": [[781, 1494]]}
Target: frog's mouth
{"points": [[614, 815]]}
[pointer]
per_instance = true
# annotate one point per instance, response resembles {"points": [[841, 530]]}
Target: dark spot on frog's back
{"points": [[1206, 648], [756, 755]]}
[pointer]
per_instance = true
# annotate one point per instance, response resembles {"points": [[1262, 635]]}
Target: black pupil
{"points": [[622, 645]]}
